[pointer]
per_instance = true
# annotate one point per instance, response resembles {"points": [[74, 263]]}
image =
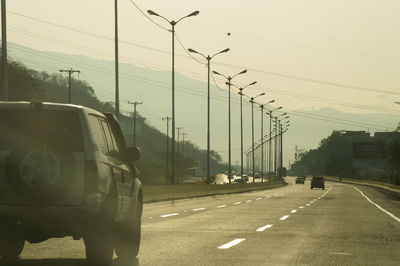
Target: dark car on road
{"points": [[317, 182], [300, 180], [65, 170]]}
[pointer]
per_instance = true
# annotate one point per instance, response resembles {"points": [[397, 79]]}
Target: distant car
{"points": [[300, 180], [317, 182], [245, 178], [238, 181], [257, 175]]}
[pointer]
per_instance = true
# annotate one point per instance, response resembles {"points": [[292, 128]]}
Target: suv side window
{"points": [[98, 133], [111, 143]]}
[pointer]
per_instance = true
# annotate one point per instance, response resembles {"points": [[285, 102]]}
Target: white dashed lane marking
{"points": [[236, 203], [221, 206], [293, 211], [232, 243], [169, 215], [258, 198], [262, 229], [301, 207], [284, 217], [198, 209], [248, 200]]}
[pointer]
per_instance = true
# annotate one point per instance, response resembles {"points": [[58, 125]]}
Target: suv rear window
{"points": [[31, 127]]}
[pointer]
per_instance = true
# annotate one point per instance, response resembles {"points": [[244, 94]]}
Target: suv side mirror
{"points": [[133, 154]]}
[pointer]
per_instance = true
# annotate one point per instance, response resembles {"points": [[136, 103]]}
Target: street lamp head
{"points": [[192, 51], [242, 72], [253, 83], [279, 108], [262, 94], [216, 73], [195, 13], [151, 12], [272, 101], [224, 51]]}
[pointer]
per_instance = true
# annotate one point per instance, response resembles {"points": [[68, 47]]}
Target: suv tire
{"points": [[128, 233], [98, 240], [11, 247]]}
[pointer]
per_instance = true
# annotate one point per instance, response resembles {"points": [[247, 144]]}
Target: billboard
{"points": [[374, 150]]}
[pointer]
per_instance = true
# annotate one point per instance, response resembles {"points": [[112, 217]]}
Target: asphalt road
{"points": [[292, 225]]}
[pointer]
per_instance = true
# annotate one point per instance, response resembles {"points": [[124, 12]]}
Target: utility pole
{"points": [[183, 153], [168, 119], [116, 61], [70, 72], [177, 150], [4, 64], [134, 120]]}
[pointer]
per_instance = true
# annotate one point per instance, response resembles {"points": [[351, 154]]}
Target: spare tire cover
{"points": [[40, 175]]}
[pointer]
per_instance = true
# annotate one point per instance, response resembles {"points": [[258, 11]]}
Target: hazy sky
{"points": [[347, 42]]}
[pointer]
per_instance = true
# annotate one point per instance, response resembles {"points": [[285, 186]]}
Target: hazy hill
{"points": [[153, 87]]}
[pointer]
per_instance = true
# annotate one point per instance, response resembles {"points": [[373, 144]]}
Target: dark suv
{"points": [[317, 182], [65, 170]]}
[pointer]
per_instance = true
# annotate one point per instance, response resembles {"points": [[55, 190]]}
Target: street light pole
{"points": [[173, 24], [116, 60], [4, 63], [270, 142], [208, 58], [252, 129], [241, 125], [167, 118], [177, 161], [229, 78]]}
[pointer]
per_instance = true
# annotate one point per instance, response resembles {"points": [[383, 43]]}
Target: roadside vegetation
{"points": [[334, 157]]}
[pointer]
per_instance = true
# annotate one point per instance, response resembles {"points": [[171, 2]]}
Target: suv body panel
{"points": [[72, 213]]}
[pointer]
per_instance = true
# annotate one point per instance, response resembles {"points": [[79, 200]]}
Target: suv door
{"points": [[121, 171]]}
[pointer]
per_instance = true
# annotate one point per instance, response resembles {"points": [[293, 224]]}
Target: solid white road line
{"points": [[262, 229], [236, 203], [221, 206], [341, 253], [293, 211], [284, 217], [379, 207], [198, 209], [169, 215], [232, 243]]}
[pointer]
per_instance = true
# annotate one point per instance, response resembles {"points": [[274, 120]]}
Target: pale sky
{"points": [[350, 42]]}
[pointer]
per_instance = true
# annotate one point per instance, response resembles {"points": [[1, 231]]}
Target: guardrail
{"points": [[154, 193], [376, 184]]}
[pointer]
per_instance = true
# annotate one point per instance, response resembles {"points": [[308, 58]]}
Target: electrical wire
{"points": [[146, 16], [184, 48]]}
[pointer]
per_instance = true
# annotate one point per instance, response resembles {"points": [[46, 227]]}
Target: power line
{"points": [[183, 47], [145, 15]]}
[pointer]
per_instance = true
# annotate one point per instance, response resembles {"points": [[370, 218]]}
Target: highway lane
{"points": [[284, 226]]}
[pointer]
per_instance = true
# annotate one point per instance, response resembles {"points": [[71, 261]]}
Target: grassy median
{"points": [[154, 193]]}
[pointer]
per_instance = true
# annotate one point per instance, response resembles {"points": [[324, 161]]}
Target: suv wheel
{"points": [[312, 187], [99, 238], [128, 233], [11, 247]]}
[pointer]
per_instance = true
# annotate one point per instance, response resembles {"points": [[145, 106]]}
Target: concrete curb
{"points": [[160, 193], [375, 184]]}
